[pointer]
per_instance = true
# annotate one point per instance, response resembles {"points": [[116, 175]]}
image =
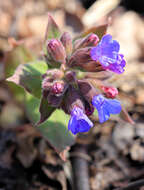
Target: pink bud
{"points": [[57, 91], [110, 92], [67, 42], [56, 50], [89, 40], [57, 88]]}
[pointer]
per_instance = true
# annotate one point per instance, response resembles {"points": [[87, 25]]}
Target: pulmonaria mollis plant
{"points": [[76, 79], [76, 89]]}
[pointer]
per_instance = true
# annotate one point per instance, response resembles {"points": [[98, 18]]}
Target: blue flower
{"points": [[79, 122], [107, 53], [105, 107]]}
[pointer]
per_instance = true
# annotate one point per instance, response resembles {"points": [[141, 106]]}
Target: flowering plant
{"points": [[72, 78]]}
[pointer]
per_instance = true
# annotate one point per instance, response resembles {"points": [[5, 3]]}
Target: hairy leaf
{"points": [[45, 110], [52, 31], [18, 55], [29, 76], [55, 128]]}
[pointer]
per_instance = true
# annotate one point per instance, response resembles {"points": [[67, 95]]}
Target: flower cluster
{"points": [[76, 80]]}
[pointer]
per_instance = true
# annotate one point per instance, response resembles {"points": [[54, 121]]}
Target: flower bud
{"points": [[53, 74], [55, 93], [77, 43], [67, 42], [56, 50], [110, 92], [70, 76], [58, 88], [46, 86], [81, 59], [89, 40]]}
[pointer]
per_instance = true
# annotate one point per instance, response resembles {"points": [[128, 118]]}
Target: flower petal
{"points": [[106, 39], [83, 126], [97, 101], [79, 122], [113, 106], [105, 107], [95, 53], [84, 117], [107, 53], [103, 115], [72, 125], [116, 46]]}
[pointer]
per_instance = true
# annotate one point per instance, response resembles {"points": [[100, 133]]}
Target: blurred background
{"points": [[116, 148]]}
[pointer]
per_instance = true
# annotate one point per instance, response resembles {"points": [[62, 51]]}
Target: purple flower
{"points": [[107, 53], [79, 122], [105, 107]]}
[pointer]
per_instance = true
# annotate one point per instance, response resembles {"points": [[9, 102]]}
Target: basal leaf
{"points": [[29, 76], [55, 128], [15, 57], [18, 55]]}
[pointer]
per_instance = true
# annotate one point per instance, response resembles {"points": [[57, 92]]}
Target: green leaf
{"points": [[29, 76], [45, 110], [52, 31], [55, 128], [15, 57]]}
